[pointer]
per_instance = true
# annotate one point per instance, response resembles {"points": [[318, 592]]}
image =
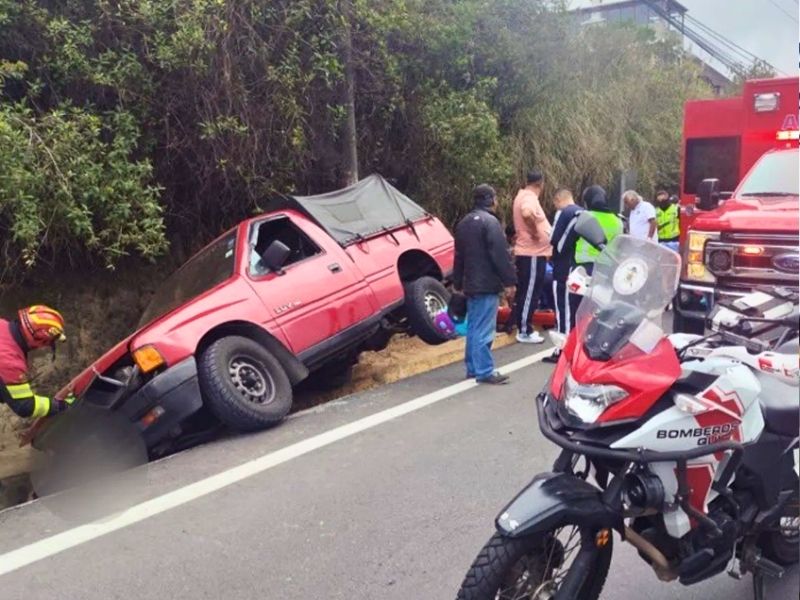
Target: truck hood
{"points": [[752, 213], [100, 365]]}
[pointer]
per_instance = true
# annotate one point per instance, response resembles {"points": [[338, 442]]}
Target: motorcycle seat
{"points": [[780, 406]]}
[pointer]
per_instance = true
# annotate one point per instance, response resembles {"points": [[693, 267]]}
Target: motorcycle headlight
{"points": [[587, 402]]}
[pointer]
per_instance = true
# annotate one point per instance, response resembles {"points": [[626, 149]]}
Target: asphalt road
{"points": [[396, 511]]}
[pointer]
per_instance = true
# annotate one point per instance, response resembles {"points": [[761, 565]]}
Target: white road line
{"points": [[26, 555]]}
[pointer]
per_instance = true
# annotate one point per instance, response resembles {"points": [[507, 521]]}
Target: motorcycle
{"points": [[685, 446]]}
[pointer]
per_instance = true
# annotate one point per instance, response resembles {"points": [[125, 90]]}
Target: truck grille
{"points": [[743, 260]]}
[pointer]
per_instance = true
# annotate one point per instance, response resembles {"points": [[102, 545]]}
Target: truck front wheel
{"points": [[243, 384], [425, 298]]}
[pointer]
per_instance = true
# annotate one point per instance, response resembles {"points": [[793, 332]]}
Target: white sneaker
{"points": [[530, 338]]}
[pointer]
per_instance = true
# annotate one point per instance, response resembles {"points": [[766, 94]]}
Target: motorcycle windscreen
{"points": [[633, 282]]}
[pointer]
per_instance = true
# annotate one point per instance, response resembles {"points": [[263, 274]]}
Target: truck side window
{"points": [[283, 230], [712, 158]]}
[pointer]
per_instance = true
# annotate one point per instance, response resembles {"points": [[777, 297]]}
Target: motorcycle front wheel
{"points": [[532, 568]]}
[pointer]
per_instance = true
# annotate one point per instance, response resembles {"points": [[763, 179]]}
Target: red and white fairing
{"points": [[727, 410]]}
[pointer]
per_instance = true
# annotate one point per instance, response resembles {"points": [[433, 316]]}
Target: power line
{"points": [[711, 46], [733, 46], [784, 11]]}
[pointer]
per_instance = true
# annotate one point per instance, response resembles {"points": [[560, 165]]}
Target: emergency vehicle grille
{"points": [[754, 259]]}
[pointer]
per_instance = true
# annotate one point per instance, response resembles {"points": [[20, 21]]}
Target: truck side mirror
{"points": [[275, 256], [588, 228], [708, 194]]}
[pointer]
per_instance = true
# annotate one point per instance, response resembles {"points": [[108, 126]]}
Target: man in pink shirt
{"points": [[531, 251]]}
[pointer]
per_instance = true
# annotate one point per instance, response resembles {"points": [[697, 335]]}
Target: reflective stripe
{"points": [[526, 308], [557, 301], [20, 391], [41, 406]]}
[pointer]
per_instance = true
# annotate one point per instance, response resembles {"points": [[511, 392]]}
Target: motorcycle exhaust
{"points": [[659, 563]]}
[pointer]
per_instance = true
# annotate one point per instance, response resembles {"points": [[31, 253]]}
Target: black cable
{"points": [[780, 8]]}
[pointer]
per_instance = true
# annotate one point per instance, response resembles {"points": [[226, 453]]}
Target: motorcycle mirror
{"points": [[557, 338], [588, 228]]}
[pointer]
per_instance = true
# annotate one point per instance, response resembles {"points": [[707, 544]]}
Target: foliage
{"points": [[196, 111], [65, 189]]}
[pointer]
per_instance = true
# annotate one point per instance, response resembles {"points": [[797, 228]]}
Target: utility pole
{"points": [[349, 136]]}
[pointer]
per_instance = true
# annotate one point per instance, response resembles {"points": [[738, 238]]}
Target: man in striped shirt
{"points": [[563, 240]]}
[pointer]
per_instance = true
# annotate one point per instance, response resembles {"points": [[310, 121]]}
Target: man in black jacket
{"points": [[483, 269]]}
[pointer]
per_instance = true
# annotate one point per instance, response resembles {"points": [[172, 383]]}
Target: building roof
{"points": [[672, 5]]}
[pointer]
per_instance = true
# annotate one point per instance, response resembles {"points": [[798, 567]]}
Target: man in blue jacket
{"points": [[483, 269], [563, 240]]}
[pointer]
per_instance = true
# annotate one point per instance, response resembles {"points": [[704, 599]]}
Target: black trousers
{"points": [[565, 315], [530, 274]]}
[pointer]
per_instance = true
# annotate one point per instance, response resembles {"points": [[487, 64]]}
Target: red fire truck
{"points": [[739, 197]]}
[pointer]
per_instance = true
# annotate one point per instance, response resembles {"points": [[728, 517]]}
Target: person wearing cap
{"points": [[35, 327], [483, 269], [531, 251]]}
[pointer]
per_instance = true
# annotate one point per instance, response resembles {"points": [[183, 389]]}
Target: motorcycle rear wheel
{"points": [[531, 568]]}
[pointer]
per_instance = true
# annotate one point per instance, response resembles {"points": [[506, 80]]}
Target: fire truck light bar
{"points": [[766, 102], [788, 134]]}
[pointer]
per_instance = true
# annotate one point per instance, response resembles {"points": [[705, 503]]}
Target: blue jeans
{"points": [[481, 326]]}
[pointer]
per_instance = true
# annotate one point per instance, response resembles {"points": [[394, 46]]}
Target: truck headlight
{"points": [[695, 256], [588, 401]]}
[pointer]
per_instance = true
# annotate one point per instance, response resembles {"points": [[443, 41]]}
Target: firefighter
{"points": [[35, 327]]}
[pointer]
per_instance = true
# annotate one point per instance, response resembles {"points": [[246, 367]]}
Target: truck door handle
{"points": [[335, 268]]}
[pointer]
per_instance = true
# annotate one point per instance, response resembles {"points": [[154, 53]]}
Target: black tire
{"points": [[243, 384], [681, 324], [783, 545], [497, 562], [424, 298]]}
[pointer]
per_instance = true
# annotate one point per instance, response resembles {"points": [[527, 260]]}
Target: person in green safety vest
{"points": [[667, 220], [595, 200]]}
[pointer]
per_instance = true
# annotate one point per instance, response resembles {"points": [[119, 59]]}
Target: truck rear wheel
{"points": [[243, 384], [425, 298]]}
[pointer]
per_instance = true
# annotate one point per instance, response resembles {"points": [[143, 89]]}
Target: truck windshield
{"points": [[775, 175], [203, 271]]}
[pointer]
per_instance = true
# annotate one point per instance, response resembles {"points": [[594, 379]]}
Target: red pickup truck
{"points": [[303, 288]]}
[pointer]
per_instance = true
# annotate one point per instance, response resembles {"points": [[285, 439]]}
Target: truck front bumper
{"points": [[696, 300], [167, 400]]}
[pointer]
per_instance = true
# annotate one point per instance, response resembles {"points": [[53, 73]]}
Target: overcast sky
{"points": [[766, 28]]}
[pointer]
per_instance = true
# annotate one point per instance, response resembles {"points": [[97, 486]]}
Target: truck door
{"points": [[319, 300]]}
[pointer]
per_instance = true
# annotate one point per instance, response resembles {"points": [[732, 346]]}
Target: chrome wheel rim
{"points": [[537, 576], [251, 380], [434, 304]]}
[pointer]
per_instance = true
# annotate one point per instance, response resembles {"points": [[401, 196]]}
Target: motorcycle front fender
{"points": [[553, 500]]}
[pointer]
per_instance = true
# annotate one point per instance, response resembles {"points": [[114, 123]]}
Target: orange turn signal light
{"points": [[602, 538], [148, 358]]}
